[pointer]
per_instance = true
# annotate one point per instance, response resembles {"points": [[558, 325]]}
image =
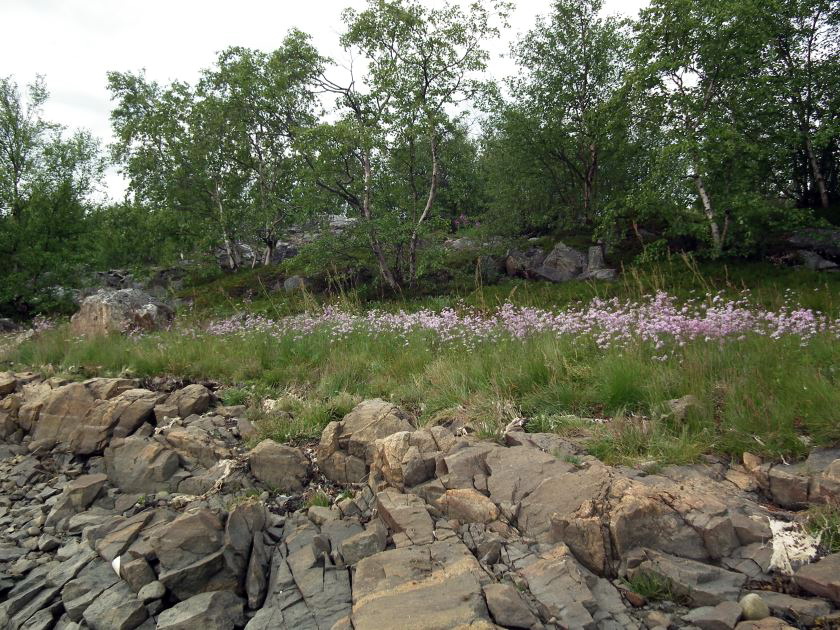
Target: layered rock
{"points": [[120, 311]]}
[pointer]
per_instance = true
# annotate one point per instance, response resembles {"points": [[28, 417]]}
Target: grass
{"points": [[770, 397], [823, 522], [318, 498], [652, 586]]}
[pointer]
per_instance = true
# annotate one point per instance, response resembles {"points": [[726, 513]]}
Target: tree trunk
{"points": [[589, 184], [233, 259], [717, 241], [430, 200], [375, 245], [819, 180]]}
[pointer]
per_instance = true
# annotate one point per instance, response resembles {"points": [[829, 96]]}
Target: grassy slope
{"points": [[755, 394]]}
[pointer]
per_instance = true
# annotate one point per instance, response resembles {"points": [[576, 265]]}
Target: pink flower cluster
{"points": [[659, 320]]}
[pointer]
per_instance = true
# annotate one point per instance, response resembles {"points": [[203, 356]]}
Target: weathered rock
{"points": [[518, 263], [563, 263], [363, 545], [702, 584], [191, 555], [754, 607], [724, 616], [821, 578], [118, 417], [80, 592], [192, 399], [141, 465], [76, 496], [219, 610], [294, 284], [469, 506], [117, 608], [436, 586], [8, 383], [119, 312], [507, 606], [406, 514], [804, 611], [346, 448], [770, 623], [279, 466], [63, 411]]}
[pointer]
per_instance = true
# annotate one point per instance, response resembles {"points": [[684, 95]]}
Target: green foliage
{"points": [[318, 499], [823, 522], [46, 180], [652, 586]]}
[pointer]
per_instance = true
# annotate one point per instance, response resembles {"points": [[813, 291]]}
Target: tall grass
{"points": [[757, 394]]}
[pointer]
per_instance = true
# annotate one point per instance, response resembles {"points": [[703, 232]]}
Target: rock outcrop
{"points": [[561, 264], [140, 521], [120, 311]]}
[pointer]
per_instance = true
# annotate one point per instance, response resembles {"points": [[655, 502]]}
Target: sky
{"points": [[74, 43]]}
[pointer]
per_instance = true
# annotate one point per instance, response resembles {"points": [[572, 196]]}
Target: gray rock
{"points": [[120, 311], [363, 545], [279, 466], [507, 606], [151, 591], [219, 610], [115, 609], [804, 611], [754, 607], [724, 616], [821, 578]]}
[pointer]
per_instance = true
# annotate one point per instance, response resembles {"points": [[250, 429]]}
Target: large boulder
{"points": [[219, 610], [121, 311], [821, 578], [563, 263], [141, 465], [824, 241], [279, 466], [192, 399], [523, 263], [346, 448]]}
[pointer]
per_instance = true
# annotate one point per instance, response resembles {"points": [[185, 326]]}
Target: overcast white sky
{"points": [[75, 42]]}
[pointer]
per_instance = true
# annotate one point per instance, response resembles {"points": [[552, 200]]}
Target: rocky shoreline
{"points": [[124, 507]]}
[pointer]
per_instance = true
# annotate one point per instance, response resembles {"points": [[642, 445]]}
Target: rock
{"points": [[825, 241], [346, 448], [363, 545], [821, 578], [724, 616], [770, 623], [151, 591], [788, 488], [191, 555], [563, 263], [815, 262], [803, 611], [192, 399], [120, 311], [406, 514], [141, 465], [137, 573], [220, 610], [435, 586], [119, 417], [76, 496], [279, 466], [294, 284], [117, 608], [518, 263], [8, 383], [701, 584], [469, 506], [753, 607], [507, 607]]}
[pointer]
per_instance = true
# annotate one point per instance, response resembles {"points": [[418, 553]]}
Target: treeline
{"points": [[715, 122]]}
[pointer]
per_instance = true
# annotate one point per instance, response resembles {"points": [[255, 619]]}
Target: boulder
{"points": [[563, 263], [295, 284], [345, 451], [8, 383], [118, 417], [141, 465], [117, 608], [121, 311], [427, 587], [468, 506], [279, 466], [815, 262], [754, 607], [406, 514], [724, 616], [523, 264], [192, 399], [219, 610], [507, 606], [821, 578], [824, 241]]}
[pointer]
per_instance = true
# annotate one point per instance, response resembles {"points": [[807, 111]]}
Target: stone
{"points": [[117, 608], [363, 545], [770, 623], [294, 284], [281, 467], [345, 451], [723, 616], [435, 586], [192, 399], [788, 488], [469, 506], [406, 514], [77, 496], [64, 409], [141, 465], [118, 417], [563, 263], [8, 383], [191, 557], [151, 591], [754, 607], [79, 593], [821, 578], [507, 607], [121, 311], [219, 610], [137, 573], [804, 611], [523, 263], [701, 584]]}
